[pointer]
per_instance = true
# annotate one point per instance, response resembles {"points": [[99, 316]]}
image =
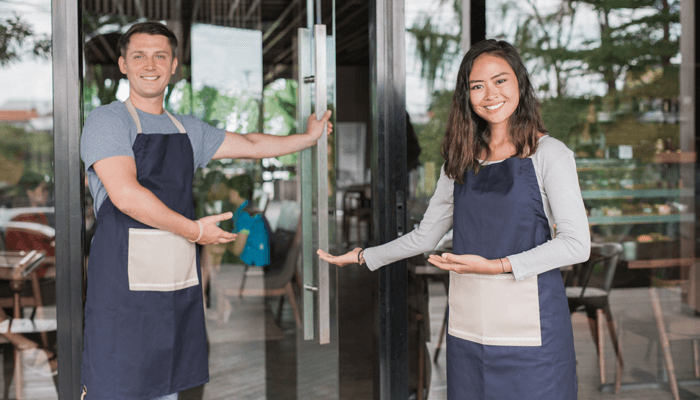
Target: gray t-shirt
{"points": [[110, 131]]}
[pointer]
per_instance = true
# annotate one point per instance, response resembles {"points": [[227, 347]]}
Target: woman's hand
{"points": [[348, 258], [469, 264]]}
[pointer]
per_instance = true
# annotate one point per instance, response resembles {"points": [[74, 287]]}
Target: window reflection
{"points": [[608, 78], [607, 75], [26, 201]]}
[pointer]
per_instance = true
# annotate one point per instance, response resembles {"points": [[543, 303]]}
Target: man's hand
{"points": [[314, 127], [212, 234], [259, 145]]}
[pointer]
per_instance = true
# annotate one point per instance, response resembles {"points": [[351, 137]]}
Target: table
{"points": [[18, 267]]}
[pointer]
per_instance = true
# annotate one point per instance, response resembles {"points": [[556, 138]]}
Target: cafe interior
{"points": [[617, 85]]}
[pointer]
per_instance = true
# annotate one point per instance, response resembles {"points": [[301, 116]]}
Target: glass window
{"points": [[607, 75], [608, 79], [27, 223]]}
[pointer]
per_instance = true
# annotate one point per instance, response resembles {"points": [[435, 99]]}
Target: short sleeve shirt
{"points": [[244, 223], [110, 131]]}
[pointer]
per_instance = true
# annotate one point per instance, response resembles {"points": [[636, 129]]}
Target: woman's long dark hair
{"points": [[468, 135]]}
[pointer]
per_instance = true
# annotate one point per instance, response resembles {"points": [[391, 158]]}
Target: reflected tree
{"points": [[437, 47], [18, 39]]}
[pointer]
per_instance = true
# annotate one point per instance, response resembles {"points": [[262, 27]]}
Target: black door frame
{"points": [[389, 188], [69, 189], [390, 180]]}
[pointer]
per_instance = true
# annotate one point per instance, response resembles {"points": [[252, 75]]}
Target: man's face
{"points": [[148, 65]]}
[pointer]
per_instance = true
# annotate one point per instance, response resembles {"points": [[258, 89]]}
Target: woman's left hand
{"points": [[467, 264]]}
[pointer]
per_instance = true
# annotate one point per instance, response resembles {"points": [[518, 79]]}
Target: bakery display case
{"points": [[641, 204]]}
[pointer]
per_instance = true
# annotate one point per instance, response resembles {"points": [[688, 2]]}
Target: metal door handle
{"points": [[320, 80]]}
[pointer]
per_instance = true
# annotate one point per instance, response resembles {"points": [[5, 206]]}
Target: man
{"points": [[144, 323]]}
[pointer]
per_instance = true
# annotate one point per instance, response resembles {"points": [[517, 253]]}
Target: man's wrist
{"points": [[199, 232]]}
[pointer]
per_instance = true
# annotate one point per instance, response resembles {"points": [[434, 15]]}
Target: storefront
{"points": [[616, 83]]}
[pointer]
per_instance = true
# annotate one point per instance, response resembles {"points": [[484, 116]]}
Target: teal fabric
{"points": [[257, 246]]}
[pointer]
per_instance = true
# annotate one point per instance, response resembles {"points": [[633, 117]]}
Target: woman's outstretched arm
{"points": [[436, 222]]}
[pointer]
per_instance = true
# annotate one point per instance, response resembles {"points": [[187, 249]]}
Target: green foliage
{"points": [[544, 40], [22, 150], [562, 115], [216, 108], [437, 50], [18, 39], [14, 142], [634, 45], [431, 134], [280, 105]]}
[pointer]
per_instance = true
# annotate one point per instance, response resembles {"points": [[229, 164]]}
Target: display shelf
{"points": [[635, 193], [640, 219], [661, 263], [685, 157]]}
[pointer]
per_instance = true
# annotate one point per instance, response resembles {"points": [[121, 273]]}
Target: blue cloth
{"points": [[110, 131], [499, 212], [257, 246], [143, 344]]}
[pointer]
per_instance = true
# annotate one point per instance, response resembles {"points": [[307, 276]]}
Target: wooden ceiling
{"points": [[278, 21]]}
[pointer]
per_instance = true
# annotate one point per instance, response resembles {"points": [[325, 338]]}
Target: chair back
{"points": [[287, 244], [606, 254]]}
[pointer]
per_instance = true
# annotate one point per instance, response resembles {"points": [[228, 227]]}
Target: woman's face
{"points": [[493, 89]]}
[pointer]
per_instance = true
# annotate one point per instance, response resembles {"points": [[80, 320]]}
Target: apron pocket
{"points": [[495, 309], [160, 261]]}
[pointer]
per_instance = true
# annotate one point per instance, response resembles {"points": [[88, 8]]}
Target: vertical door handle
{"points": [[320, 80], [304, 80]]}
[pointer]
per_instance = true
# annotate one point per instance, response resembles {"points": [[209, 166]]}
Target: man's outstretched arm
{"points": [[260, 145], [118, 175]]}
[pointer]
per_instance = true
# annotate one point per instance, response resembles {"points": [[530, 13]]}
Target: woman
{"points": [[504, 186]]}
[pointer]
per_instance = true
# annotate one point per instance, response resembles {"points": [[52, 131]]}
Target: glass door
{"points": [[250, 66]]}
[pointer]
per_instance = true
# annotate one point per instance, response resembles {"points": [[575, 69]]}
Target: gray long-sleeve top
{"points": [[561, 196]]}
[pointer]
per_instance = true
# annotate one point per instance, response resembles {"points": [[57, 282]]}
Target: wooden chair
{"points": [[591, 295], [19, 268], [679, 322]]}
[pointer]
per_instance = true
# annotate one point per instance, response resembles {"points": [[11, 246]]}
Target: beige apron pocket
{"points": [[495, 309], [160, 261]]}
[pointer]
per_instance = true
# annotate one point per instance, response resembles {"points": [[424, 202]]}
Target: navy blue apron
{"points": [[144, 315], [506, 339]]}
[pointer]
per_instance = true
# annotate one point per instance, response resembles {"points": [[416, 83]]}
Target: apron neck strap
{"points": [[135, 117]]}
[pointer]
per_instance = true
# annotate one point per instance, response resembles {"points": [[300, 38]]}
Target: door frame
{"points": [[389, 189], [66, 16]]}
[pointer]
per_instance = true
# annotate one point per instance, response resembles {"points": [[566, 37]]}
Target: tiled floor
{"points": [[239, 354]]}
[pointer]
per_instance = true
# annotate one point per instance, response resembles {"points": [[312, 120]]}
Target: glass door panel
{"points": [[28, 301], [240, 63]]}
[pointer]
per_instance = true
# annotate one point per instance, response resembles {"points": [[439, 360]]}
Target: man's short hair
{"points": [[150, 28]]}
